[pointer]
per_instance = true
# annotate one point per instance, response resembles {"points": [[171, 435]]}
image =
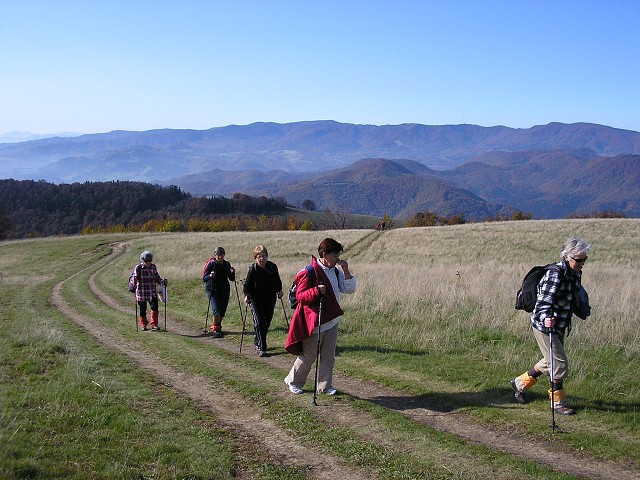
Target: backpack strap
{"points": [[311, 272]]}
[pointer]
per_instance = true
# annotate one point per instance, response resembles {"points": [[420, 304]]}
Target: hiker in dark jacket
{"points": [[216, 275], [552, 314], [261, 289], [145, 278]]}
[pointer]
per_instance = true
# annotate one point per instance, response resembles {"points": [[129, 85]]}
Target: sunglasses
{"points": [[580, 260]]}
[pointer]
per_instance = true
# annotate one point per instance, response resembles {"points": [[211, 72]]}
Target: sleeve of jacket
{"points": [[346, 286], [278, 279], [547, 291], [231, 274], [206, 272], [306, 291], [305, 316], [247, 288]]}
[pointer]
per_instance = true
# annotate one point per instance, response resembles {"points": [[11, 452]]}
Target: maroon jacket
{"points": [[305, 317]]}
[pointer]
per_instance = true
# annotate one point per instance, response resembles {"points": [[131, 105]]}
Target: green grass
{"points": [[72, 409]]}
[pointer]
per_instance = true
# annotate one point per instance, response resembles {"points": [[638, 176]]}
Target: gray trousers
{"points": [[560, 360], [302, 366]]}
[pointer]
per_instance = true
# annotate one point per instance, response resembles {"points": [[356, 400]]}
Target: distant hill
{"points": [[317, 146], [378, 186], [225, 183], [16, 137], [547, 184], [554, 184]]}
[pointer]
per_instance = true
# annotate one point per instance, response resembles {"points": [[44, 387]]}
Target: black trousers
{"points": [[261, 322], [143, 306]]}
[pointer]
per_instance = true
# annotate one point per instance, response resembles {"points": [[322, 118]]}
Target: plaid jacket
{"points": [[145, 278], [555, 293]]}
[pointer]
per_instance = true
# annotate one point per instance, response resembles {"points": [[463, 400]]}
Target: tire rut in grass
{"points": [[547, 453]]}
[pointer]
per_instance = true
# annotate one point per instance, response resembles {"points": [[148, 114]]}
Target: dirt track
{"points": [[238, 416]]}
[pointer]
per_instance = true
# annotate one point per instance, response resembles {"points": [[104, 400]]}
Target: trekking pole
{"points": [[244, 321], [256, 325], [165, 307], [206, 317], [553, 410], [315, 382], [238, 297], [284, 312]]}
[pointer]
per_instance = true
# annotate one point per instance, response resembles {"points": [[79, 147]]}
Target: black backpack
{"points": [[293, 302], [528, 292]]}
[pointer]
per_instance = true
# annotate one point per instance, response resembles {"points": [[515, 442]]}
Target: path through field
{"points": [[239, 415]]}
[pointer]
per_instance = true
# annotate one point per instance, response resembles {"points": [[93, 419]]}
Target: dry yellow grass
{"points": [[453, 275]]}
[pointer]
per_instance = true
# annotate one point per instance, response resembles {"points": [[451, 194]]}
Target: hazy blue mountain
{"points": [[292, 147], [16, 137]]}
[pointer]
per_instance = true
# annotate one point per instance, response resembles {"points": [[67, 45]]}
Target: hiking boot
{"points": [[262, 353], [564, 410], [143, 328], [519, 394], [560, 402], [216, 334], [330, 391], [154, 328]]}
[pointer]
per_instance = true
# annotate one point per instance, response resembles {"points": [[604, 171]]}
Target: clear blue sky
{"points": [[91, 66]]}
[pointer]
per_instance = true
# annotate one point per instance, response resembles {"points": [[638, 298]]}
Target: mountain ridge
{"points": [[545, 183], [294, 147]]}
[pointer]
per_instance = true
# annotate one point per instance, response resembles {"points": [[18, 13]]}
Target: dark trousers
{"points": [[262, 322], [143, 306]]}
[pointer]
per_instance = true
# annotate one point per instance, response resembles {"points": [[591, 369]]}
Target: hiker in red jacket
{"points": [[302, 339]]}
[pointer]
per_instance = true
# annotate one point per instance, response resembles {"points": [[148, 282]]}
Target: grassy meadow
{"points": [[432, 318]]}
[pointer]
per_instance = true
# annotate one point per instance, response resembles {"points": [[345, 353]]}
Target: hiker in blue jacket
{"points": [[552, 317], [216, 275]]}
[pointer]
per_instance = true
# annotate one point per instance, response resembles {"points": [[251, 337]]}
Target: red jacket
{"points": [[305, 317]]}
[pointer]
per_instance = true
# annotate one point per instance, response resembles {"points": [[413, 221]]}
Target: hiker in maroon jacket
{"points": [[302, 339]]}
